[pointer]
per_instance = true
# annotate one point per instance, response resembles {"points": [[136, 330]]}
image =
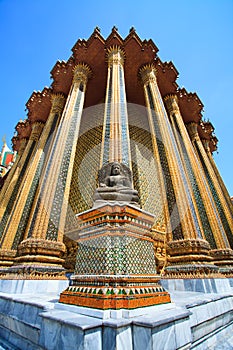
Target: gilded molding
{"points": [[192, 130], [82, 72], [115, 55], [23, 144], [37, 128], [58, 101], [148, 74], [171, 102], [193, 245], [33, 246], [206, 144], [26, 272]]}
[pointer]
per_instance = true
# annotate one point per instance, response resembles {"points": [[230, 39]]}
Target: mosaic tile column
{"points": [[223, 187], [7, 187], [10, 198], [208, 215], [116, 145], [43, 243], [221, 256], [8, 191], [15, 229], [186, 245]]}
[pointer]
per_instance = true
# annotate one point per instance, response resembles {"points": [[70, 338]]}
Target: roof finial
{"points": [[97, 29], [114, 29], [132, 29]]}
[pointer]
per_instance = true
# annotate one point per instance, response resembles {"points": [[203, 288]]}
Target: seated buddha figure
{"points": [[115, 184]]}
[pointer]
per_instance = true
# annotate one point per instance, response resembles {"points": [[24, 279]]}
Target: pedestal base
{"points": [[117, 298], [115, 264], [114, 292]]}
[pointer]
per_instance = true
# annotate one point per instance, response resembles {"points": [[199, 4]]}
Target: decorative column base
{"points": [[223, 258], [115, 266], [190, 258], [6, 258], [37, 259]]}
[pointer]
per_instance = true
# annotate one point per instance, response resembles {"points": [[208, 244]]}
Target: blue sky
{"points": [[197, 36]]}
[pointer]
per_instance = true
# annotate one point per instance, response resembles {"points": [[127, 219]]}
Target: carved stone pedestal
{"points": [[223, 258], [190, 258], [37, 259], [115, 266], [6, 258]]}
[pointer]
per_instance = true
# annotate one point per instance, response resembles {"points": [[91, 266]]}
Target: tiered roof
{"points": [[93, 52]]}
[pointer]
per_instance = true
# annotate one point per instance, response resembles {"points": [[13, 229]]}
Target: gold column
{"points": [[116, 144], [8, 196], [220, 180], [187, 243], [13, 175], [7, 182], [208, 215], [146, 77], [222, 256], [16, 225], [218, 195], [43, 240]]}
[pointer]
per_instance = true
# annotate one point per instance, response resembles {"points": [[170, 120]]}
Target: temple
{"points": [[115, 198], [7, 159]]}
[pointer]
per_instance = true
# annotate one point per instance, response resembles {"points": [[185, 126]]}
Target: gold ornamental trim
{"points": [[147, 74], [82, 72], [115, 55], [171, 102], [58, 101]]}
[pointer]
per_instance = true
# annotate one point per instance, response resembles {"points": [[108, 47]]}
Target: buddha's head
{"points": [[116, 169]]}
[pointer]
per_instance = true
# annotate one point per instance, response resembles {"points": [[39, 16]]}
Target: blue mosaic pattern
{"points": [[115, 255]]}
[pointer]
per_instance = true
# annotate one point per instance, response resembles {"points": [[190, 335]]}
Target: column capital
{"points": [[82, 73], [115, 55], [171, 102], [58, 102], [206, 144], [23, 144], [192, 130], [37, 128], [148, 74]]}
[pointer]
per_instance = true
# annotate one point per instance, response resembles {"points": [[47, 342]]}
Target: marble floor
{"points": [[195, 302]]}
